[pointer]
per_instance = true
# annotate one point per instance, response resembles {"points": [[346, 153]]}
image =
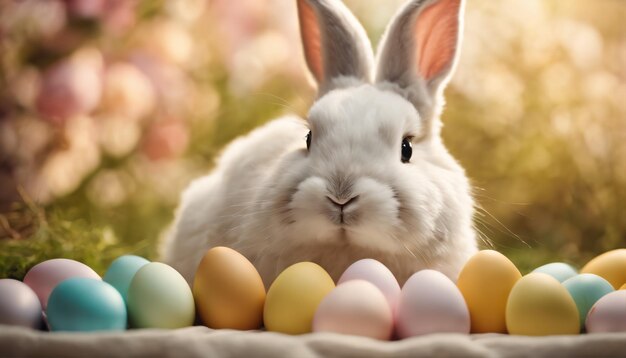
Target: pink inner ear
{"points": [[436, 31], [311, 39]]}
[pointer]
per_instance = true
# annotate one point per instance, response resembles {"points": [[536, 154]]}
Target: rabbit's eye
{"points": [[407, 150], [308, 140]]}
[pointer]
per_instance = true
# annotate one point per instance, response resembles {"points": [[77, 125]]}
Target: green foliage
{"points": [[63, 234]]}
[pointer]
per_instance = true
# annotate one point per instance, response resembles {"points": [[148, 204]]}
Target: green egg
{"points": [[586, 289], [559, 270], [159, 297]]}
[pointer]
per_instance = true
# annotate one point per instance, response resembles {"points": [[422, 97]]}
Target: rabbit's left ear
{"points": [[419, 50], [336, 47]]}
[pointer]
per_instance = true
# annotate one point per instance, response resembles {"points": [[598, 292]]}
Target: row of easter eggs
{"points": [[70, 296], [366, 301], [491, 297], [553, 299]]}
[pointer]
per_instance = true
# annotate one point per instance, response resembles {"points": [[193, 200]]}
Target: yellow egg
{"points": [[610, 265], [485, 282], [228, 291], [539, 305], [623, 287], [294, 296]]}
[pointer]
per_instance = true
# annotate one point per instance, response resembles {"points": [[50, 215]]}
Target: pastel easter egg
{"points": [[559, 270], [539, 305], [294, 296], [44, 277], [159, 297], [356, 307], [485, 282], [610, 265], [608, 314], [376, 273], [586, 289], [19, 305], [431, 303], [228, 291], [85, 304], [121, 272]]}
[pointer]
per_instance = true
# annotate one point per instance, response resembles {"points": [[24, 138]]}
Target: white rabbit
{"points": [[371, 179]]}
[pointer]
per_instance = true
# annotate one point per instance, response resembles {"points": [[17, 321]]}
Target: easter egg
{"points": [[539, 305], [293, 297], [43, 277], [228, 291], [610, 265], [159, 297], [586, 289], [431, 303], [376, 273], [559, 270], [356, 307], [608, 314], [485, 282], [121, 272], [623, 287], [85, 304], [19, 305]]}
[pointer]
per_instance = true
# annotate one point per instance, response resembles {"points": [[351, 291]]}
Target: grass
{"points": [[58, 232]]}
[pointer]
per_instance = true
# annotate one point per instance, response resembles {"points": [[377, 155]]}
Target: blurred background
{"points": [[108, 108]]}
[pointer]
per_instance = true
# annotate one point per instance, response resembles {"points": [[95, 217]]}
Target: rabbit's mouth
{"points": [[344, 215], [344, 219]]}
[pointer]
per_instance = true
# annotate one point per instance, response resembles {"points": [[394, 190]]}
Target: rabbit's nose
{"points": [[341, 203]]}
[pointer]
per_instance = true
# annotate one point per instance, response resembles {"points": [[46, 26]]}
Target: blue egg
{"points": [[586, 289], [84, 304], [559, 270], [122, 271]]}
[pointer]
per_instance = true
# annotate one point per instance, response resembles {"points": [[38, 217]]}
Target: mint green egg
{"points": [[85, 304], [586, 289], [159, 297], [121, 272], [559, 270]]}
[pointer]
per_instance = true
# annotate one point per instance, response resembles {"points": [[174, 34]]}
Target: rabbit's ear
{"points": [[419, 49], [336, 46]]}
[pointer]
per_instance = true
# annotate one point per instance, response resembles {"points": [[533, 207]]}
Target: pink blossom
{"points": [[119, 15], [71, 87], [165, 140], [86, 8]]}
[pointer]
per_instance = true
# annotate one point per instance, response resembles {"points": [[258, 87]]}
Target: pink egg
{"points": [[44, 277], [356, 307], [608, 314], [431, 303], [376, 273]]}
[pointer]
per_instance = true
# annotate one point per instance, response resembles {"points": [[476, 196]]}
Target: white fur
{"points": [[269, 198]]}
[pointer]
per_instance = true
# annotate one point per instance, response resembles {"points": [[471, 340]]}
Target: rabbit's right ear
{"points": [[336, 47]]}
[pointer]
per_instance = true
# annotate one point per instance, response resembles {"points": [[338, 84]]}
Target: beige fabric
{"points": [[204, 342]]}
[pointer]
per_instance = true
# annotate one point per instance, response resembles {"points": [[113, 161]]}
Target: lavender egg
{"points": [[608, 314], [431, 303], [19, 305]]}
